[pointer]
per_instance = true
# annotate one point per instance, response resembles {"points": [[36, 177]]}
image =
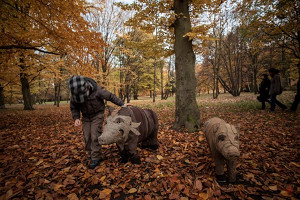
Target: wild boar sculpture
{"points": [[223, 141], [128, 127]]}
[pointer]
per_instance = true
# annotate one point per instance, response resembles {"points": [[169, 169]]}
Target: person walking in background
{"points": [[275, 89], [264, 88], [88, 99]]}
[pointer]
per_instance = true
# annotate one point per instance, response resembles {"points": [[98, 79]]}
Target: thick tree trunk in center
{"points": [[297, 97], [187, 112], [2, 105]]}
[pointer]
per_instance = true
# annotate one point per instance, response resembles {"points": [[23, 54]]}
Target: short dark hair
{"points": [[265, 75], [273, 70]]}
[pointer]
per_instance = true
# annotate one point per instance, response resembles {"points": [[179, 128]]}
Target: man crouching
{"points": [[88, 98]]}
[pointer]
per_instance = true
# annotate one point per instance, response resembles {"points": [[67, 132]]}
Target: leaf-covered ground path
{"points": [[42, 157]]}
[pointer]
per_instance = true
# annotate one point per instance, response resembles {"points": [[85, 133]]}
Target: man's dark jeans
{"points": [[274, 101]]}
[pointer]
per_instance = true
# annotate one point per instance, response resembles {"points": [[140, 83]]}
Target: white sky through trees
{"points": [[125, 1]]}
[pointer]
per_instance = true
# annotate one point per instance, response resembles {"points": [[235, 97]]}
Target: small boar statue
{"points": [[223, 141], [127, 127]]}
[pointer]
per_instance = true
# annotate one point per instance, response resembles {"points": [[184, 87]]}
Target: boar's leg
{"points": [[151, 142], [130, 147], [220, 163], [231, 166], [123, 153]]}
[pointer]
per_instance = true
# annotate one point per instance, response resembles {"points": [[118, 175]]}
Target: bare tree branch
{"points": [[28, 47]]}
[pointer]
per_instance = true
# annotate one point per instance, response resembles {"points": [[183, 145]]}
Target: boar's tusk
{"points": [[135, 125], [135, 131]]}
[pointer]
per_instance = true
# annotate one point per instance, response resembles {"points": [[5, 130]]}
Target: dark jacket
{"points": [[275, 87], [95, 102], [264, 88]]}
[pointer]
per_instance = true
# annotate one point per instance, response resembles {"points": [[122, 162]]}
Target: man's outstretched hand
{"points": [[127, 105], [77, 122]]}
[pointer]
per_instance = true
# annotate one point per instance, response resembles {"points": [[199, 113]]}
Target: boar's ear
{"points": [[216, 127], [109, 118], [110, 110], [238, 128]]}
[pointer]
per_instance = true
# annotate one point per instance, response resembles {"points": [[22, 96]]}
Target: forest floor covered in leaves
{"points": [[42, 156]]}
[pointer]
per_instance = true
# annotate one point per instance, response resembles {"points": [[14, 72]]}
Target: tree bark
{"points": [[127, 88], [135, 90], [57, 94], [2, 105], [162, 82], [26, 92], [154, 81], [187, 112], [254, 59], [297, 97], [11, 96]]}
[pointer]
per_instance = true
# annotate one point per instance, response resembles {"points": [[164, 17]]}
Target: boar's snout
{"points": [[232, 153], [100, 140]]}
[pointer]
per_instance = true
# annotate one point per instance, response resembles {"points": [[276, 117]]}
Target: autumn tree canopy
{"points": [[38, 34]]}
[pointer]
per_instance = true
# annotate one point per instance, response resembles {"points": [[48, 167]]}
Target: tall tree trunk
{"points": [[254, 60], [26, 92], [58, 94], [255, 80], [127, 88], [162, 82], [55, 94], [154, 81], [135, 90], [216, 66], [2, 105], [187, 112], [297, 97], [11, 96], [121, 91]]}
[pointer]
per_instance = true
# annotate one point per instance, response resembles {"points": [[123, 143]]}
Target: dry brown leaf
{"points": [[201, 138], [57, 187], [179, 187], [187, 161], [105, 193], [159, 157], [9, 193], [203, 196], [273, 187], [217, 193], [284, 193], [198, 185], [102, 178], [39, 162], [86, 175], [184, 198], [132, 190], [200, 167], [293, 163], [174, 196], [72, 196]]}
